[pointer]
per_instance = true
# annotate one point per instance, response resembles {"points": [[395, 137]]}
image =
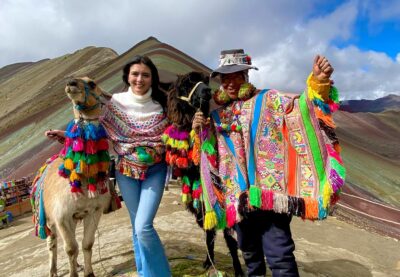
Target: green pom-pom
{"points": [[255, 196], [104, 156], [208, 147], [222, 221], [70, 153], [92, 159], [196, 184], [185, 180], [77, 157], [334, 94]]}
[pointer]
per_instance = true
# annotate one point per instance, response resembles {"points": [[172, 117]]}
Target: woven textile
{"points": [[283, 158], [135, 128]]}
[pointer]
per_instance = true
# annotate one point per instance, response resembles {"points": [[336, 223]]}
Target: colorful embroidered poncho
{"points": [[284, 158], [135, 125]]}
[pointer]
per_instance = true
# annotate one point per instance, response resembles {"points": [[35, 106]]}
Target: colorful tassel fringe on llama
{"points": [[86, 156], [177, 146], [36, 199]]}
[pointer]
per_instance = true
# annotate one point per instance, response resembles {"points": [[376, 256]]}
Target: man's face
{"points": [[231, 83]]}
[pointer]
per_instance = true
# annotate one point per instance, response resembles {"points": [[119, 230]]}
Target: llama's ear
{"points": [[106, 96], [207, 80]]}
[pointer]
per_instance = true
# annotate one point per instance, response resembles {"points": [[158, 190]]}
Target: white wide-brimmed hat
{"points": [[231, 61]]}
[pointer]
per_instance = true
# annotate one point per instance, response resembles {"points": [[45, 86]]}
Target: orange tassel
{"points": [[103, 166], [196, 154], [182, 162], [311, 208], [93, 170], [337, 147], [326, 118]]}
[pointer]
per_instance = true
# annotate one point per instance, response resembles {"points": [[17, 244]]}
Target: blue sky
{"points": [[379, 33], [360, 38]]}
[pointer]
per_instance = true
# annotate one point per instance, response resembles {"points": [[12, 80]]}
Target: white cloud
{"points": [[281, 36]]}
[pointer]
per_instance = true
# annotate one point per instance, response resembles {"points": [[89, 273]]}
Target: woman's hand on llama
{"points": [[58, 135]]}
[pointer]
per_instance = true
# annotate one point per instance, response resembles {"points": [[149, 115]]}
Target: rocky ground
{"points": [[328, 248]]}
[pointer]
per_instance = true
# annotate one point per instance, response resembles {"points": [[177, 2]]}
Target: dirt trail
{"points": [[328, 248]]}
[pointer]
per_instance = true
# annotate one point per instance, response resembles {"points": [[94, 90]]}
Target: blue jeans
{"points": [[265, 233], [142, 198]]}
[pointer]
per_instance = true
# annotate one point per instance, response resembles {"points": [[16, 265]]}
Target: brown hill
{"points": [[388, 102]]}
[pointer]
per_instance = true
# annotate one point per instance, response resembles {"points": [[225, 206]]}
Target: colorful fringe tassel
{"points": [[86, 155]]}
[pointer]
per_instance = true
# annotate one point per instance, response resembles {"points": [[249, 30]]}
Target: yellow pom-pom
{"points": [[69, 164], [83, 167], [210, 220], [182, 144], [74, 176]]}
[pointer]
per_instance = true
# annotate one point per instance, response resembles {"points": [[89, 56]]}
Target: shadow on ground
{"points": [[334, 268], [186, 259]]}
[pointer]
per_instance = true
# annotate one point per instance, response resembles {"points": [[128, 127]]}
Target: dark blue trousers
{"points": [[265, 233]]}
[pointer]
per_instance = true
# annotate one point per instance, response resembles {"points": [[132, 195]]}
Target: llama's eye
{"points": [[92, 84]]}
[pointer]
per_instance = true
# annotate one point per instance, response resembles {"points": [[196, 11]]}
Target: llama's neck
{"points": [[88, 115]]}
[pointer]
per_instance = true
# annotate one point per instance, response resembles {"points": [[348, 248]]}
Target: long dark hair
{"points": [[156, 94]]}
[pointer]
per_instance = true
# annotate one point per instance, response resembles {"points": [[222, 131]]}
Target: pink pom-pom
{"points": [[76, 190], [213, 160], [90, 147], [62, 173], [196, 193], [102, 144], [77, 145], [231, 216], [185, 189], [68, 141], [333, 106], [63, 151], [267, 200], [92, 187]]}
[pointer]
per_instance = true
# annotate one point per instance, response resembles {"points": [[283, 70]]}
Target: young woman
{"points": [[134, 121]]}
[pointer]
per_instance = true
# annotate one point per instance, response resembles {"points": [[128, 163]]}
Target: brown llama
{"points": [[84, 195]]}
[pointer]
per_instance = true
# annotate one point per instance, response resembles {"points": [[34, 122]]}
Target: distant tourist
{"points": [[277, 156]]}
